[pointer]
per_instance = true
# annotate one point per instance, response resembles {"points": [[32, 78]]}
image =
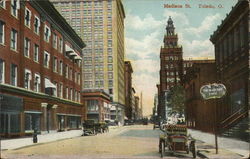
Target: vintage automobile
{"points": [[89, 127], [175, 139]]}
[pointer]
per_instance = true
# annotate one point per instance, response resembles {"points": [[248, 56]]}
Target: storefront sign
{"points": [[213, 91]]}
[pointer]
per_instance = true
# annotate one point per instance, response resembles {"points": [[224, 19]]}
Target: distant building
{"points": [[100, 23], [137, 108], [128, 89], [171, 65], [97, 103], [40, 69], [231, 42]]}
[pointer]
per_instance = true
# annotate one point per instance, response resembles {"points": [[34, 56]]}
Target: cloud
{"points": [[206, 25], [177, 17], [137, 23], [143, 48]]}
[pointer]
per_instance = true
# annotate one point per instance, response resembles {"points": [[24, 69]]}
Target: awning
{"points": [[49, 84], [68, 49], [73, 53], [78, 57]]}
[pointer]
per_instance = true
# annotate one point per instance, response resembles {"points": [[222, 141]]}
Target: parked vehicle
{"points": [[89, 127], [175, 139]]}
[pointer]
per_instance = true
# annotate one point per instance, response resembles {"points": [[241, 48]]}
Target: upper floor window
{"points": [[66, 71], [60, 45], [36, 53], [2, 32], [13, 75], [2, 3], [26, 47], [55, 64], [46, 59], [27, 17], [60, 90], [37, 24], [55, 41], [15, 5], [27, 79], [61, 67], [47, 33], [110, 67], [13, 40], [37, 83], [2, 71]]}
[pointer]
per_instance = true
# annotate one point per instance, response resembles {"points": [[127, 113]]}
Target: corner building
{"points": [[101, 25], [40, 69], [171, 66]]}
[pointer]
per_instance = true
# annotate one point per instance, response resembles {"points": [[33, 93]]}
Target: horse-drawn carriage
{"points": [[175, 139]]}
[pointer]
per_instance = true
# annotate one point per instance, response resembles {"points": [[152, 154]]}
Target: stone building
{"points": [[40, 69]]}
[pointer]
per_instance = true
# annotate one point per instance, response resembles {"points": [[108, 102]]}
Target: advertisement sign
{"points": [[212, 91]]}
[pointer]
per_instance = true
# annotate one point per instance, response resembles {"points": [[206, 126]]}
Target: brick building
{"points": [[200, 114], [128, 89], [171, 65], [40, 69], [97, 103], [231, 42]]}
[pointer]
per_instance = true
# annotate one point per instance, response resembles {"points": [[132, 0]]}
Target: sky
{"points": [[145, 25]]}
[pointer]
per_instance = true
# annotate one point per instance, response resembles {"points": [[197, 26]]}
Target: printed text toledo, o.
{"points": [[205, 6]]}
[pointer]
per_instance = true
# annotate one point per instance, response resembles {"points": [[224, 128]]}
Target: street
{"points": [[137, 141]]}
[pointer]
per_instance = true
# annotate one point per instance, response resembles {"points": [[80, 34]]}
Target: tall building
{"points": [[40, 69], [231, 43], [128, 89], [171, 65], [101, 25]]}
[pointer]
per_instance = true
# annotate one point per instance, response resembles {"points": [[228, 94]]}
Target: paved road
{"points": [[124, 142]]}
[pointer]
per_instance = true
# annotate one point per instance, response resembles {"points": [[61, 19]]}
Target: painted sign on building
{"points": [[212, 91]]}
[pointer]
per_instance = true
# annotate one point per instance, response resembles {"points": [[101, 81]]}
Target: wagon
{"points": [[101, 127], [175, 139]]}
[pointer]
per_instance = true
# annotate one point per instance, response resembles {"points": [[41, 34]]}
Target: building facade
{"points": [[128, 90], [40, 69], [171, 66], [231, 42], [199, 114], [101, 26], [97, 103]]}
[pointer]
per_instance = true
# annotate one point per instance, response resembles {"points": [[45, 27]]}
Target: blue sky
{"points": [[145, 24]]}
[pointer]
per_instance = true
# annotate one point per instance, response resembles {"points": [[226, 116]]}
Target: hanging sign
{"points": [[212, 91]]}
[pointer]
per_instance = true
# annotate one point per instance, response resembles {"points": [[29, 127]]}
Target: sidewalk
{"points": [[8, 144], [228, 148]]}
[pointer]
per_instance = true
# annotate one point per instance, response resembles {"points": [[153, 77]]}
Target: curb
{"points": [[201, 155]]}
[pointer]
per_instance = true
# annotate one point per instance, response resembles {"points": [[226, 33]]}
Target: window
{"points": [[2, 71], [110, 59], [55, 64], [66, 71], [37, 24], [110, 83], [60, 90], [26, 47], [15, 5], [46, 59], [67, 93], [61, 45], [13, 40], [2, 3], [55, 41], [55, 90], [2, 32], [110, 75], [70, 73], [61, 68], [36, 53], [71, 93], [79, 78], [27, 17], [37, 83], [92, 105], [13, 75], [27, 78], [46, 33], [110, 67]]}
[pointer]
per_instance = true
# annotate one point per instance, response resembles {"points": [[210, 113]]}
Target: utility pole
{"points": [[141, 104]]}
